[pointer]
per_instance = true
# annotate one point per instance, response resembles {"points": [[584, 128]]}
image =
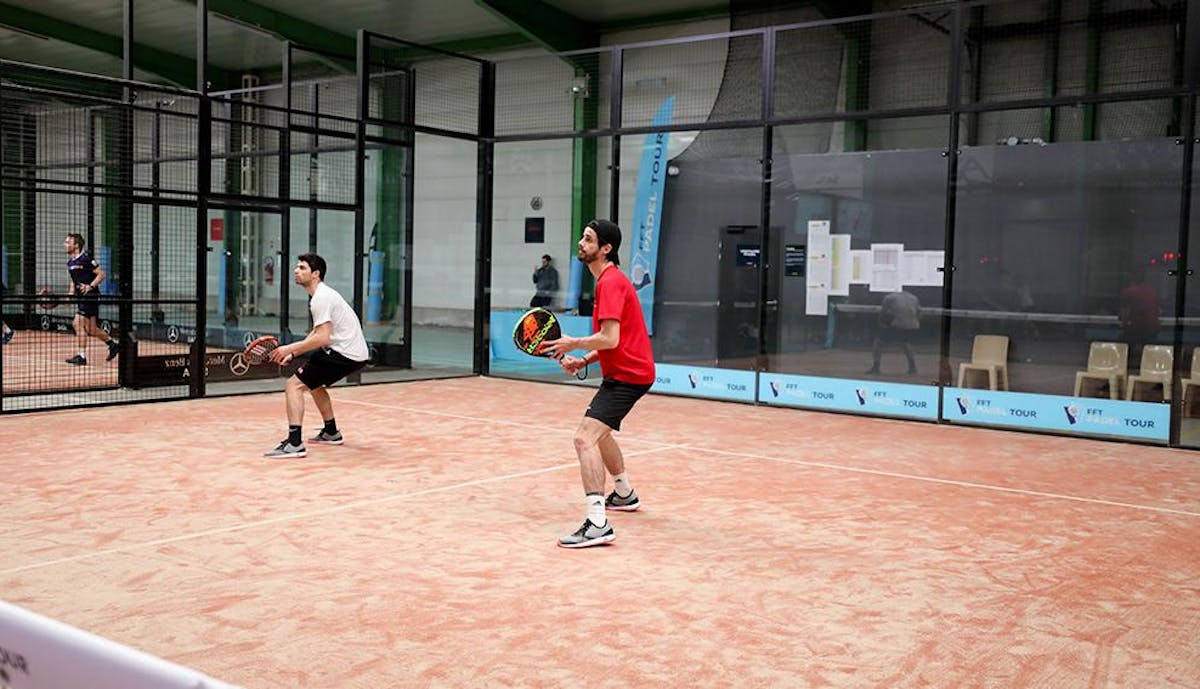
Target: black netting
{"points": [[714, 80], [1019, 51]]}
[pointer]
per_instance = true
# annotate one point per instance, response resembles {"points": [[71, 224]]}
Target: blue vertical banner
{"points": [[647, 211]]}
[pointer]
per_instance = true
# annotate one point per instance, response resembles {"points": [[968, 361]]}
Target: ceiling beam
{"points": [[484, 44], [283, 26], [176, 69], [544, 24]]}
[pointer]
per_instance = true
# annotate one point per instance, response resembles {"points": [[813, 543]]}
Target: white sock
{"points": [[83, 353], [621, 485], [595, 508]]}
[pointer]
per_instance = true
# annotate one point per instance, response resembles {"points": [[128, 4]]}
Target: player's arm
{"points": [[607, 337], [320, 336], [95, 283]]}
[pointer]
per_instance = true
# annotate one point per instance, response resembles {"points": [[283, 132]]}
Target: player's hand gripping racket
{"points": [[259, 350], [535, 326]]}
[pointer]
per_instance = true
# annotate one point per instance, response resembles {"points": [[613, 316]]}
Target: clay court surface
{"points": [[775, 548]]}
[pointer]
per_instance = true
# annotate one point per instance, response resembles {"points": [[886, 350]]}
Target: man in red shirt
{"points": [[622, 346], [1139, 313]]}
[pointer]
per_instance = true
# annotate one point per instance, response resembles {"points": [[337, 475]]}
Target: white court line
{"points": [[825, 465], [944, 481], [305, 515]]}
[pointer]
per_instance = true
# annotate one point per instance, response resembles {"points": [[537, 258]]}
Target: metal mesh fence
{"points": [[551, 94], [411, 84], [714, 80], [1042, 50]]}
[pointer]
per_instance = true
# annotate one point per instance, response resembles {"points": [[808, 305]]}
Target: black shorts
{"points": [[613, 401], [88, 305], [326, 367]]}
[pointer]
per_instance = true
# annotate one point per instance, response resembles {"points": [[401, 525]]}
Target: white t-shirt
{"points": [[327, 306]]}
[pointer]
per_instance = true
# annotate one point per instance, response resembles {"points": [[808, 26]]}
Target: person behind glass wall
{"points": [[545, 279], [1139, 312], [899, 320]]}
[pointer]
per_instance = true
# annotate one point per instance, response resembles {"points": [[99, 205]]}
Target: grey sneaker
{"points": [[114, 348], [588, 535], [323, 438], [286, 450], [629, 503], [77, 360]]}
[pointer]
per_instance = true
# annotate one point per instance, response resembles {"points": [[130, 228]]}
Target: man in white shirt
{"points": [[340, 349]]}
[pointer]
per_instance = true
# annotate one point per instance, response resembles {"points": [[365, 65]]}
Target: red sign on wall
{"points": [[216, 230]]}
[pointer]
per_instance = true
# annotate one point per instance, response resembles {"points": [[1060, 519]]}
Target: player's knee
{"points": [[294, 384], [584, 441]]}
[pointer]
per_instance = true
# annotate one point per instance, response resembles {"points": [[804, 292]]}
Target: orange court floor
{"points": [[774, 548]]}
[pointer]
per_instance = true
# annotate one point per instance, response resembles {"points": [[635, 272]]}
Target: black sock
{"points": [[331, 426], [294, 435]]}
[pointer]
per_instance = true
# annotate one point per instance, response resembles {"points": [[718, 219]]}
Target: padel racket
{"points": [[535, 326], [259, 350]]}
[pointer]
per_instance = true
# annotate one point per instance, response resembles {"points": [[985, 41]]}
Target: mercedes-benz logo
{"points": [[238, 365], [106, 326], [45, 322], [172, 334], [247, 339]]}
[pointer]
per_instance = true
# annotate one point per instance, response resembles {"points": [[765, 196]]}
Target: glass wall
{"points": [[538, 199], [857, 251], [934, 248], [442, 265], [1059, 256], [1188, 364]]}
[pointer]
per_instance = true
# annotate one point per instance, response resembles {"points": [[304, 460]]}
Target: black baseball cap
{"points": [[607, 232]]}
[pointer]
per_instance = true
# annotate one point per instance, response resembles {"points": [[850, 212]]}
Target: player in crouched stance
{"points": [[621, 344]]}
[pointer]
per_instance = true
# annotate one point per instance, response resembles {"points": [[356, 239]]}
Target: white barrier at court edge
{"points": [[37, 652]]}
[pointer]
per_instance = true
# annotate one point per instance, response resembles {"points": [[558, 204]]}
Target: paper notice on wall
{"points": [[839, 284], [860, 266], [885, 267], [934, 261], [819, 268], [912, 268], [921, 268]]}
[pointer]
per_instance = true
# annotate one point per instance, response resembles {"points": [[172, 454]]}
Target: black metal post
{"points": [[362, 105], [124, 252], [410, 177], [28, 139], [1184, 270], [484, 167], [196, 383], [314, 170], [285, 196], [616, 91], [156, 210], [765, 298], [91, 178], [954, 102]]}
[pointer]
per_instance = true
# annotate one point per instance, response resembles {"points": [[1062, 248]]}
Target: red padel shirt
{"points": [[632, 360]]}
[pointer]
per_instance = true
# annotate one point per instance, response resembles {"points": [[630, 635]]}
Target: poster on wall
{"points": [[885, 267], [793, 260], [535, 230], [839, 284], [819, 268], [860, 267]]}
